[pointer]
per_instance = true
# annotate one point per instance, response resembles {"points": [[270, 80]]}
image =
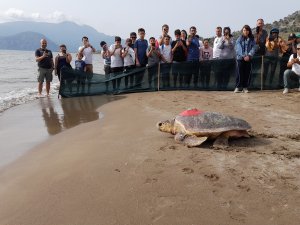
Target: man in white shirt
{"points": [[294, 63], [218, 38], [87, 50]]}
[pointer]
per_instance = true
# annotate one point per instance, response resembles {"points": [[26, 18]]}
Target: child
{"points": [[80, 69]]}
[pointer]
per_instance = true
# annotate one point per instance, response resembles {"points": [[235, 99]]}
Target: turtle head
{"points": [[165, 126]]}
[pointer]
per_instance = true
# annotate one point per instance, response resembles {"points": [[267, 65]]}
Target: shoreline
{"points": [[122, 170], [45, 117]]}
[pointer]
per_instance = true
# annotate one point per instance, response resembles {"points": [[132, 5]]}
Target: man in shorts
{"points": [[44, 58]]}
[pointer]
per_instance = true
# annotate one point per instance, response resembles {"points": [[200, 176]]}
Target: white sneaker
{"points": [[245, 90], [285, 91], [236, 90]]}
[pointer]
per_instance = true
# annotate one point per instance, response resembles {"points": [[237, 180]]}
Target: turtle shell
{"points": [[201, 123]]}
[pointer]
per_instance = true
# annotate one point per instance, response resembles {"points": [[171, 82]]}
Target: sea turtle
{"points": [[192, 127]]}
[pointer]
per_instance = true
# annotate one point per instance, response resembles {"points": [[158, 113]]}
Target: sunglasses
{"points": [[298, 48], [133, 37]]}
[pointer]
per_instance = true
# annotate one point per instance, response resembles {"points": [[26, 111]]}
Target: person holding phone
{"points": [[179, 51], [115, 51], [44, 58], [62, 59], [154, 56], [227, 57], [87, 51], [106, 61]]}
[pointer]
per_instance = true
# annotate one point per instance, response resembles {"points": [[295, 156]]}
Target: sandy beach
{"points": [[114, 167]]}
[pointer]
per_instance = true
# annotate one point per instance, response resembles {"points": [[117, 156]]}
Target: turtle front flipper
{"points": [[221, 142], [189, 140]]}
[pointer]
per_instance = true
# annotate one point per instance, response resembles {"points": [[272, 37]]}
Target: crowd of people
{"points": [[186, 47]]}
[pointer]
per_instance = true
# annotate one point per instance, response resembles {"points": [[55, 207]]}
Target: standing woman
{"points": [[245, 48]]}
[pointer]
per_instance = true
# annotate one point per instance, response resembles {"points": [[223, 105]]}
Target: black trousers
{"points": [[243, 74]]}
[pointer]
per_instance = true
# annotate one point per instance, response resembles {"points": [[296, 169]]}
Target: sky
{"points": [[119, 18]]}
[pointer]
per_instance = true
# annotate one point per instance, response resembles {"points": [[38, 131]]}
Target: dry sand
{"points": [[120, 170]]}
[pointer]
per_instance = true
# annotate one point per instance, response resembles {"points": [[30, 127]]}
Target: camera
{"points": [[46, 51], [257, 29], [64, 51], [271, 38], [153, 44]]}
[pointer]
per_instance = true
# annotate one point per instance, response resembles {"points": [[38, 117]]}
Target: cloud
{"points": [[14, 14]]}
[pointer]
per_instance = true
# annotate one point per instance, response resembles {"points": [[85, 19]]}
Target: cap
{"points": [[298, 35], [292, 35], [274, 30]]}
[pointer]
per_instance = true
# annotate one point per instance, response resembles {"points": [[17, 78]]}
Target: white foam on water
{"points": [[18, 97]]}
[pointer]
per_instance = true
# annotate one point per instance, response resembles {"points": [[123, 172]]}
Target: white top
{"points": [[116, 58], [200, 44], [166, 51], [87, 54], [296, 66], [129, 59], [216, 50]]}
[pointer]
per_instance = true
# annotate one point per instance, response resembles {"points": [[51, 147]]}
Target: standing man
{"points": [[106, 61], [193, 56], [44, 58], [141, 60], [260, 37], [217, 40], [87, 51]]}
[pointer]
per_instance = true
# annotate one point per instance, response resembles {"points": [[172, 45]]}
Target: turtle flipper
{"points": [[189, 140], [221, 142]]}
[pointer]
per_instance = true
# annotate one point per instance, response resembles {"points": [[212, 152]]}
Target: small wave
{"points": [[18, 97]]}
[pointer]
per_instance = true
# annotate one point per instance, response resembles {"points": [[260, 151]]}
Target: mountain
{"points": [[26, 41], [67, 33], [287, 25]]}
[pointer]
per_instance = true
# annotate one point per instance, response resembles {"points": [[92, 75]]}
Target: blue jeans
{"points": [[287, 77]]}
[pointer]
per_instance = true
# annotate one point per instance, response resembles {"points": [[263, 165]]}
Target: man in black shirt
{"points": [[44, 58], [179, 52]]}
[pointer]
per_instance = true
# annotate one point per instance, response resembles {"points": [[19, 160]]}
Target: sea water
{"points": [[18, 77]]}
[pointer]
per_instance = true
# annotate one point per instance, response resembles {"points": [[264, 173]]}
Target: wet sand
{"points": [[122, 170]]}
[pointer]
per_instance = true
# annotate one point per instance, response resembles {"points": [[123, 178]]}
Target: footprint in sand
{"points": [[151, 180], [212, 177], [187, 170], [243, 187], [172, 147]]}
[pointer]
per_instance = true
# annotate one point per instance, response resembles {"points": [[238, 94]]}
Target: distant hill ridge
{"points": [[287, 25], [25, 41], [68, 33]]}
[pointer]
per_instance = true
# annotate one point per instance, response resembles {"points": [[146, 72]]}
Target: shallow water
{"points": [[18, 74]]}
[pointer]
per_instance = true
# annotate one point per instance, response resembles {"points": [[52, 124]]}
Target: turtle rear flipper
{"points": [[189, 140]]}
